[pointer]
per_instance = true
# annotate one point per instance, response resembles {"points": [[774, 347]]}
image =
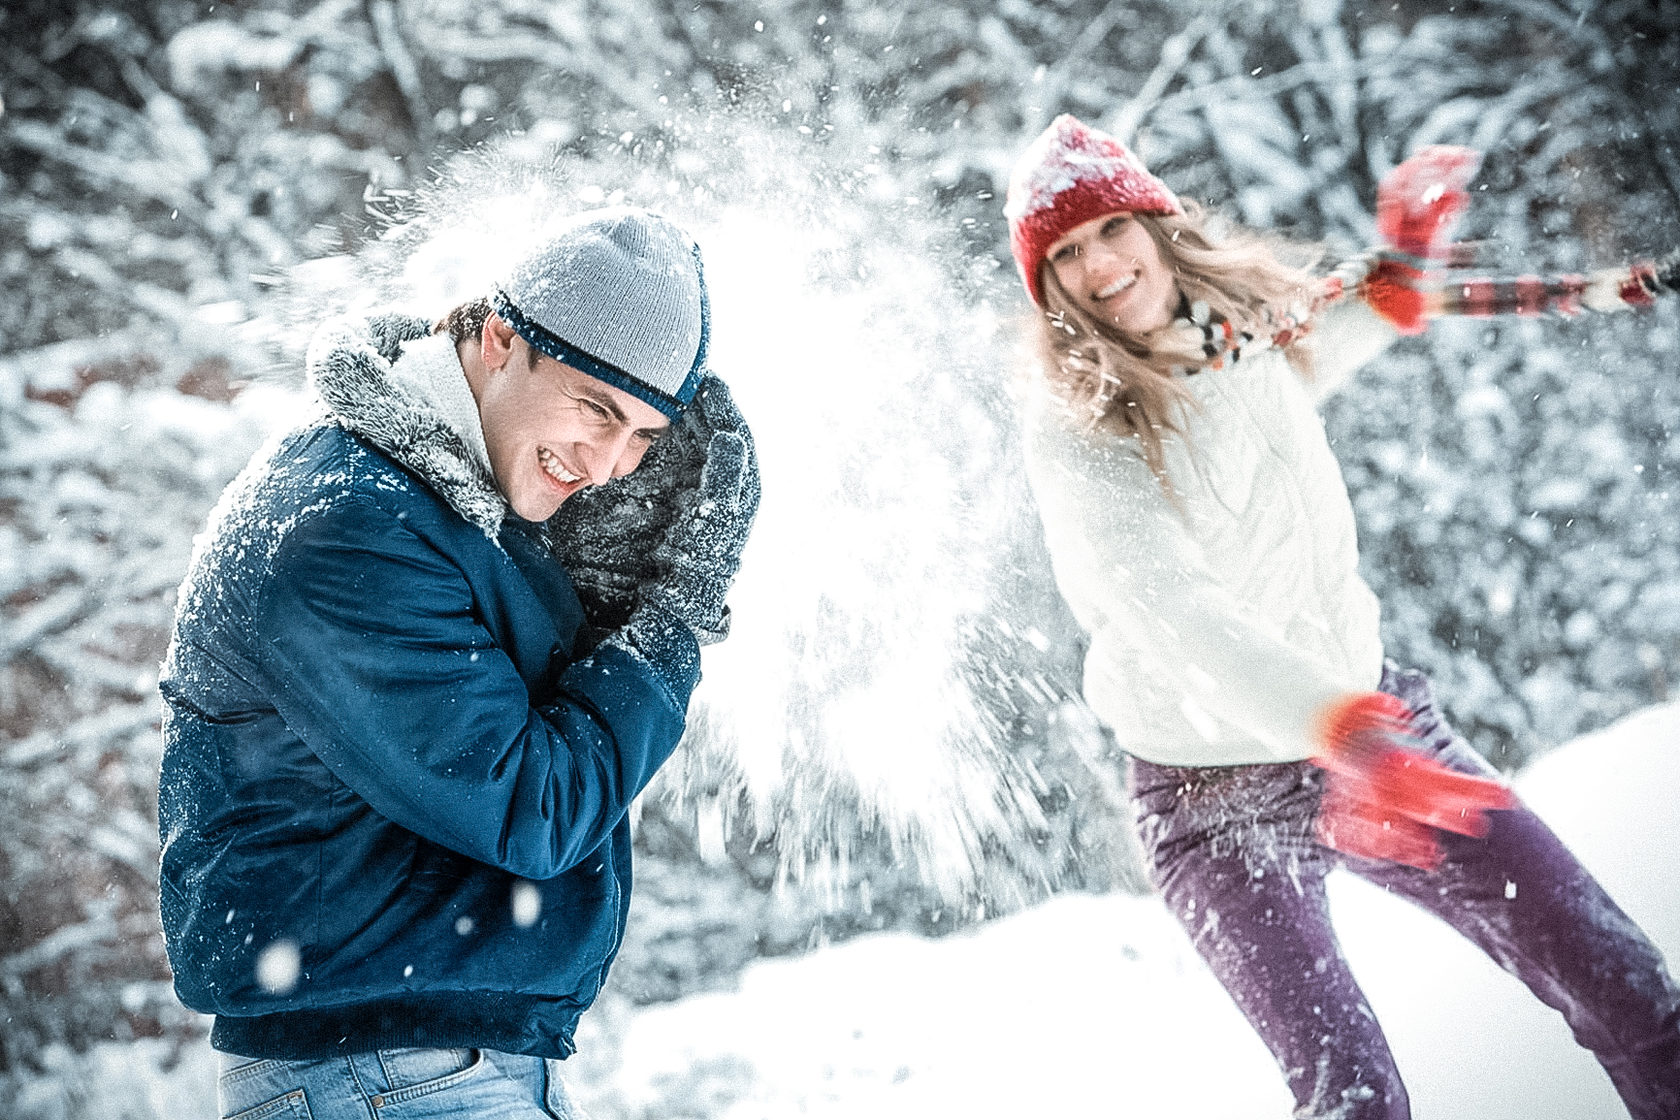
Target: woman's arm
{"points": [[1345, 336]]}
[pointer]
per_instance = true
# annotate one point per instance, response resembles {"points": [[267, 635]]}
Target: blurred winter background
{"points": [[887, 744]]}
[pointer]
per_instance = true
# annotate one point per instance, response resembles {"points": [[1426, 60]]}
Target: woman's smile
{"points": [[1113, 262]]}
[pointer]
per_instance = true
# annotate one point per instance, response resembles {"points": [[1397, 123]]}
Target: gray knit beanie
{"points": [[618, 294]]}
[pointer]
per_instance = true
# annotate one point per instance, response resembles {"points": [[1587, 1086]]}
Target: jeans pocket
{"points": [[260, 1088], [237, 1067], [556, 1100], [287, 1106], [413, 1071]]}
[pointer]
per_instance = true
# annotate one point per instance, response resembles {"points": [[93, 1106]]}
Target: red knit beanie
{"points": [[1071, 174]]}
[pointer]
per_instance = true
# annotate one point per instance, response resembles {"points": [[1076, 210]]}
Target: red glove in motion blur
{"points": [[1384, 799], [1419, 200], [1417, 204]]}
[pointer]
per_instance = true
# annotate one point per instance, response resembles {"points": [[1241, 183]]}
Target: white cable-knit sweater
{"points": [[1220, 625]]}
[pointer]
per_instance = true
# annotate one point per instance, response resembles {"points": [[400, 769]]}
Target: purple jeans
{"points": [[1231, 849]]}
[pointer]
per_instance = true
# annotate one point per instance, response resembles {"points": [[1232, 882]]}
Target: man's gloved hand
{"points": [[1383, 797], [605, 536], [697, 559], [1417, 204]]}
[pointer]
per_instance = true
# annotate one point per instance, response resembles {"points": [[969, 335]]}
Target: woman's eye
{"points": [[1065, 253]]}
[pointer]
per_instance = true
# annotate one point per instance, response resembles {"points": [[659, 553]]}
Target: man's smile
{"points": [[555, 469]]}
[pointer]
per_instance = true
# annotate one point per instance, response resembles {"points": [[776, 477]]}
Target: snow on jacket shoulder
{"points": [[393, 797], [1221, 619]]}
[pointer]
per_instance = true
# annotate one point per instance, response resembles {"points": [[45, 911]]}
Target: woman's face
{"points": [[1112, 267]]}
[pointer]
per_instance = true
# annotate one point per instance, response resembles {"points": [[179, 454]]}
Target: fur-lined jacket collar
{"points": [[350, 367]]}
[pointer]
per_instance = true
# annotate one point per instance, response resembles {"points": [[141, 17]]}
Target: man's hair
{"points": [[464, 322], [1124, 381]]}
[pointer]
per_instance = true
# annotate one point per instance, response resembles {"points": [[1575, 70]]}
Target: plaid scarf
{"points": [[1637, 285], [1450, 292]]}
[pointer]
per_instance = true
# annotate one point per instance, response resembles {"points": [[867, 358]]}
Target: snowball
{"points": [[278, 967], [527, 904]]}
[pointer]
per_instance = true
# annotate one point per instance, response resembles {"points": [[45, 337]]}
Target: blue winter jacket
{"points": [[394, 790]]}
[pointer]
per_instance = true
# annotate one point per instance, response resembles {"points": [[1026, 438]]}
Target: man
{"points": [[396, 860]]}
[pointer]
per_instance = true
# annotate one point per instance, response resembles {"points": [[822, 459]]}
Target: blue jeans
{"points": [[401, 1084]]}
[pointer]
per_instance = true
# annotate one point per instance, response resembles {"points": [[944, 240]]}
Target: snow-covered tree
{"points": [[165, 167]]}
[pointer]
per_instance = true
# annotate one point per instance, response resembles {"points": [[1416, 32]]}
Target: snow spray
{"points": [[852, 695]]}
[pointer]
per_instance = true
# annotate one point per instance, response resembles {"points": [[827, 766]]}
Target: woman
{"points": [[1201, 532]]}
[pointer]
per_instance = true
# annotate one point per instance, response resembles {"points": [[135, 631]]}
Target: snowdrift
{"points": [[1097, 1006], [1085, 1006]]}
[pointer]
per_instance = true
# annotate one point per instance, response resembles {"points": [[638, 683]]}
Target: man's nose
{"points": [[630, 457], [604, 455]]}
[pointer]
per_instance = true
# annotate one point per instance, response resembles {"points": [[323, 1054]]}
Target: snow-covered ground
{"points": [[1097, 1006], [1084, 1006]]}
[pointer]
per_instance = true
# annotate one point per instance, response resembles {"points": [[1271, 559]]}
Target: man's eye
{"points": [[596, 410]]}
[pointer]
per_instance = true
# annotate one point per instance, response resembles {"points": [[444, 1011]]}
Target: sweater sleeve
{"points": [[375, 658], [1139, 583], [1346, 336]]}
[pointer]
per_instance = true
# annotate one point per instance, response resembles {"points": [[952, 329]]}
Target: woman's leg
{"points": [[1525, 899], [1231, 850]]}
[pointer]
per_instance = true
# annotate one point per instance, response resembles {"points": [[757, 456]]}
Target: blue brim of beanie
{"points": [[562, 351]]}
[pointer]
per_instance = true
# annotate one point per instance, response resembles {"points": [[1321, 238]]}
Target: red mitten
{"points": [[1417, 204], [1419, 200], [1395, 289], [1364, 829], [1383, 798]]}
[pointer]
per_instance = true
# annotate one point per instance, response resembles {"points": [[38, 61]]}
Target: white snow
{"points": [[1097, 1006], [203, 49], [278, 967], [1088, 1006]]}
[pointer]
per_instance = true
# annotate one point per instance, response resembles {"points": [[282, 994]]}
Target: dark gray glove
{"points": [[701, 552], [605, 536], [683, 603], [612, 538]]}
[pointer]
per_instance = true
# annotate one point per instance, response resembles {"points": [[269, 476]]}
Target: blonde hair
{"points": [[1125, 381]]}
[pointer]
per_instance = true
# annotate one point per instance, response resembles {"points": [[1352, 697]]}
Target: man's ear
{"points": [[495, 342]]}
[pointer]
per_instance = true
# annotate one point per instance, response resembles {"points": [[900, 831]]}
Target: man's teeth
{"points": [[553, 467]]}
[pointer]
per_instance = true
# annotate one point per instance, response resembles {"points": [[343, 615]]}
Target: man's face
{"points": [[552, 430]]}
